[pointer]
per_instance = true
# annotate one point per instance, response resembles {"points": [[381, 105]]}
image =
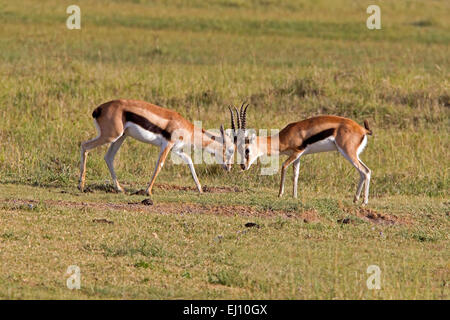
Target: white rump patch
{"points": [[362, 146], [99, 131]]}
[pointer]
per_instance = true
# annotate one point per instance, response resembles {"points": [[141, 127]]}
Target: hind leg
{"points": [[85, 147], [362, 178], [364, 172], [109, 158], [296, 167], [366, 182]]}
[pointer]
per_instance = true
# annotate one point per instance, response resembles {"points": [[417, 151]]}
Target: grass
{"points": [[152, 254], [291, 60]]}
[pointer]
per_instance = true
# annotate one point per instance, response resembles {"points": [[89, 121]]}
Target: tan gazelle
{"points": [[115, 120], [313, 135]]}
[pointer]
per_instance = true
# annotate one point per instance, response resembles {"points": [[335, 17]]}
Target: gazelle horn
{"points": [[241, 114], [238, 118], [233, 127], [244, 116]]}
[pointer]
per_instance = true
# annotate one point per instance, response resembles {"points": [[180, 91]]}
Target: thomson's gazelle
{"points": [[118, 119], [313, 135]]}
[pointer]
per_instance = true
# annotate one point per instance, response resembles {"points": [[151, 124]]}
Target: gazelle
{"points": [[313, 135], [115, 120]]}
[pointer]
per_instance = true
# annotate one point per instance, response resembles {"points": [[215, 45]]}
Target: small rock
{"points": [[147, 202], [103, 221], [251, 225], [344, 221], [87, 190]]}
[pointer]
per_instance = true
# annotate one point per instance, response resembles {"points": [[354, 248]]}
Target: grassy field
{"points": [[290, 60]]}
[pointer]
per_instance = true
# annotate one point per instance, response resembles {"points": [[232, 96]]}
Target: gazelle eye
{"points": [[247, 151]]}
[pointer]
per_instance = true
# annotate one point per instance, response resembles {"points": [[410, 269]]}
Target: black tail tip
{"points": [[97, 112], [366, 125]]}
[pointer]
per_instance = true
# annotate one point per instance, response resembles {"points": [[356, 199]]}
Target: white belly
{"points": [[137, 132], [325, 145]]}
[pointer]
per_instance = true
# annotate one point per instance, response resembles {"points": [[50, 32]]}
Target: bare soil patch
{"points": [[310, 216], [166, 187], [172, 208], [372, 216]]}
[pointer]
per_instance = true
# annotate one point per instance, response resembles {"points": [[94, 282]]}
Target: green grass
{"points": [[146, 252], [290, 60]]}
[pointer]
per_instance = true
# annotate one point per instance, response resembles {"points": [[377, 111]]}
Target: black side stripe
{"points": [[145, 124], [317, 137]]}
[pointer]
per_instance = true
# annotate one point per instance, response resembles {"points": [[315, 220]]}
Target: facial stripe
{"points": [[145, 124], [317, 137]]}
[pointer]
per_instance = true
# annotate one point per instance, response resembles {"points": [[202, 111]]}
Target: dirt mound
{"points": [[370, 215], [310, 216], [377, 217]]}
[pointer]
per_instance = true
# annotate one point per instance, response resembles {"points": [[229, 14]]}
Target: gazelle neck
{"points": [[206, 141], [268, 145]]}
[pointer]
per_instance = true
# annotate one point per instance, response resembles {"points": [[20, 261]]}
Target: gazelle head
{"points": [[227, 150], [246, 143]]}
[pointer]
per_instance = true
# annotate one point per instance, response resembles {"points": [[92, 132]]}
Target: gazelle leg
{"points": [[286, 164], [363, 171], [296, 169], [362, 178], [85, 147], [165, 149], [367, 182], [187, 159], [109, 158]]}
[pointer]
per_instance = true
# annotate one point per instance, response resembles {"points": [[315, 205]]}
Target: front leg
{"points": [[286, 164], [159, 164], [283, 171], [187, 159]]}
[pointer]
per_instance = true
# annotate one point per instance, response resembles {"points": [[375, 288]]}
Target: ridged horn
{"points": [[238, 118], [241, 114], [233, 127], [244, 116]]}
